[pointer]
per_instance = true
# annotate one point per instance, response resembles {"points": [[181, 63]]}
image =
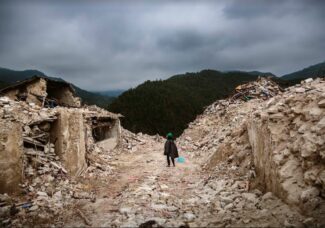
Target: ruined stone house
{"points": [[37, 138], [43, 92]]}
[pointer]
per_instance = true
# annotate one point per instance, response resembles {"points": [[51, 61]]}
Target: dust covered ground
{"points": [[143, 190]]}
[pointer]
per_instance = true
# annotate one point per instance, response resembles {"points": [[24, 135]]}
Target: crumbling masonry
{"points": [[11, 146], [37, 139], [277, 138], [43, 92]]}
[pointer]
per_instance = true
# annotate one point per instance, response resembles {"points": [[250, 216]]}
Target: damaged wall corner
{"points": [[69, 138], [63, 93], [11, 151], [116, 133], [285, 181], [32, 89], [38, 88], [106, 131], [43, 92], [267, 178]]}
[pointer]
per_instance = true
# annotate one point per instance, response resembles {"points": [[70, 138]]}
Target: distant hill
{"points": [[313, 71], [169, 105], [93, 98], [8, 77], [4, 84], [11, 76], [257, 73], [110, 93]]}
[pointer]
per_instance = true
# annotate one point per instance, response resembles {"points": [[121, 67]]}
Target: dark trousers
{"points": [[172, 159]]}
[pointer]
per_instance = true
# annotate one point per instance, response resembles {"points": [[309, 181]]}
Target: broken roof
{"points": [[34, 78], [95, 111]]}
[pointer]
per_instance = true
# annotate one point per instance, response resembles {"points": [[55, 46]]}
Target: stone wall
{"points": [[11, 149], [266, 168], [41, 87], [69, 99], [113, 136], [63, 94], [280, 141], [69, 133], [12, 94], [288, 144], [37, 87]]}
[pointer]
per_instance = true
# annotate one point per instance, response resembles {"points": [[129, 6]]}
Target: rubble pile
{"points": [[46, 186], [225, 119], [42, 199], [99, 163], [39, 153], [131, 142], [220, 127], [98, 155], [262, 88], [223, 198], [219, 198], [287, 135], [277, 143], [26, 113]]}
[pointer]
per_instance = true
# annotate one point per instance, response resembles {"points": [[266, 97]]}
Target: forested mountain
{"points": [[313, 71], [8, 77], [4, 84], [257, 73], [11, 76], [169, 105], [93, 98]]}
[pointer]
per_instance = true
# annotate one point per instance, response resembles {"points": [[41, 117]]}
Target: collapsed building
{"points": [[261, 152], [45, 130], [43, 92]]}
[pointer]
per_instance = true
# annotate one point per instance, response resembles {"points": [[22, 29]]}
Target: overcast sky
{"points": [[101, 45]]}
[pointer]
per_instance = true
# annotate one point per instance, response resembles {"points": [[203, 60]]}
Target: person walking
{"points": [[170, 150]]}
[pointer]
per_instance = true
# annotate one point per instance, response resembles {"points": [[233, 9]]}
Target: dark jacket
{"points": [[171, 149]]}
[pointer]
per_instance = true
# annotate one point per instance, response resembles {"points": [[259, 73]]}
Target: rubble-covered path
{"points": [[143, 189], [58, 171]]}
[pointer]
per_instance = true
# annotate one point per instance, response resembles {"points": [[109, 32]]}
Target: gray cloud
{"points": [[102, 45]]}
